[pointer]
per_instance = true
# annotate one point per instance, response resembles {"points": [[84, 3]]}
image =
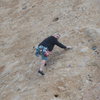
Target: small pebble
{"points": [[33, 6], [94, 48], [69, 65], [18, 89], [55, 19], [90, 80], [97, 52], [56, 95]]}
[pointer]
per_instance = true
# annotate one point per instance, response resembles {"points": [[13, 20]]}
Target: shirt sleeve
{"points": [[59, 44]]}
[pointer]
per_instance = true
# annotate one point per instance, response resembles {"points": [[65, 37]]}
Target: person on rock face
{"points": [[45, 48]]}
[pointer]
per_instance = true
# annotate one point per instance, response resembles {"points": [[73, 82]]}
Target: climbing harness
{"points": [[41, 50]]}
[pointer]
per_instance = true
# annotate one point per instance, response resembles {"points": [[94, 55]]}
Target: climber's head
{"points": [[57, 35]]}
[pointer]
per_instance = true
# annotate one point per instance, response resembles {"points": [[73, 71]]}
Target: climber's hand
{"points": [[68, 48]]}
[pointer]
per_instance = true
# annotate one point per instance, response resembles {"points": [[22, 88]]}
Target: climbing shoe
{"points": [[45, 64], [41, 72]]}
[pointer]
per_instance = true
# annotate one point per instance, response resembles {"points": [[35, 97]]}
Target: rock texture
{"points": [[70, 75]]}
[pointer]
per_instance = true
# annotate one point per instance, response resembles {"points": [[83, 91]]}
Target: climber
{"points": [[44, 49]]}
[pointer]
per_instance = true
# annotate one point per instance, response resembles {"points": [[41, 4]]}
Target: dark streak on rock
{"points": [[56, 95], [24, 8], [33, 6], [55, 19]]}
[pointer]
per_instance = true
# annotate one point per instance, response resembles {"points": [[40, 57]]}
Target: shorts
{"points": [[40, 51]]}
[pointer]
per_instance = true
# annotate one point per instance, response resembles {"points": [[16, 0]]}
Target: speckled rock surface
{"points": [[70, 75]]}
